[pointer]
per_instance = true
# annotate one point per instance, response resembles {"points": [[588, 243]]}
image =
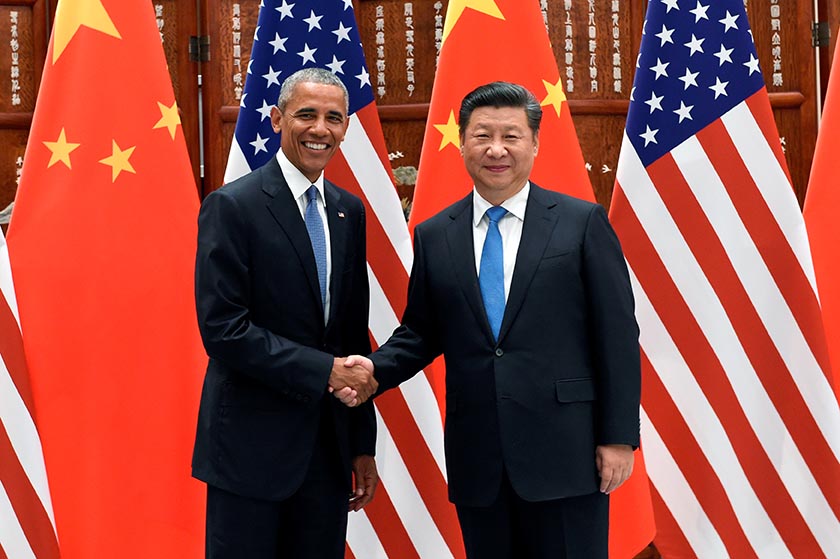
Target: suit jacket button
{"points": [[499, 352]]}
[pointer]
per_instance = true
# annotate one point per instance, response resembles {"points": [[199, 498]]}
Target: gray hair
{"points": [[498, 95], [310, 75]]}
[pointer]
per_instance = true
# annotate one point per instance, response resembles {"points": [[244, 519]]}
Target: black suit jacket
{"points": [[565, 373], [261, 320]]}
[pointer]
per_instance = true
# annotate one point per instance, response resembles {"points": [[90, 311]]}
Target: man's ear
{"points": [[276, 119]]}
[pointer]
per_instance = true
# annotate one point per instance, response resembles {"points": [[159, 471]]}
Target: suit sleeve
{"points": [[362, 418], [223, 299], [614, 331], [414, 344]]}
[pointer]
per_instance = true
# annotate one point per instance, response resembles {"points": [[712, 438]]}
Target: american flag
{"points": [[410, 515], [741, 428], [27, 525]]}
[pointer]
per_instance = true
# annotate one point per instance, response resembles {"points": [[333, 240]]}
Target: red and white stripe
{"points": [[27, 525], [740, 423], [410, 516]]}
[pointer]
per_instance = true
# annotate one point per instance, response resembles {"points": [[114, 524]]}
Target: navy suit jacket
{"points": [[262, 323], [564, 375]]}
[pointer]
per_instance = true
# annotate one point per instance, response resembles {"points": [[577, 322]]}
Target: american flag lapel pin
{"points": [[341, 214]]}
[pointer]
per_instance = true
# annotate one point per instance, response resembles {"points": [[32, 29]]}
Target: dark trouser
{"points": [[310, 524], [512, 528]]}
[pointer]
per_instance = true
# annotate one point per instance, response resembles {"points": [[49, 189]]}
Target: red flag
{"points": [[822, 203], [506, 40], [740, 425], [102, 245]]}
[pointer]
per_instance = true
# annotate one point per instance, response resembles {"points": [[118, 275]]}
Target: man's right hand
{"points": [[353, 376]]}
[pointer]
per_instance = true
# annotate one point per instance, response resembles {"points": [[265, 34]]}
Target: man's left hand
{"points": [[366, 478], [615, 464]]}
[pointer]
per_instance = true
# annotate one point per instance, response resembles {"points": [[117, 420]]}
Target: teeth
{"points": [[313, 145]]}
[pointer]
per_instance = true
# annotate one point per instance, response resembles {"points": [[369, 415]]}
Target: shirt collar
{"points": [[297, 182], [515, 205]]}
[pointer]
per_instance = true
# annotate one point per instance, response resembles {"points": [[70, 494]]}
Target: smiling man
{"points": [[526, 294], [281, 287]]}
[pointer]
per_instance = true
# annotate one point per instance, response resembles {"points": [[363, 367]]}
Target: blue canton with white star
{"points": [[697, 61], [291, 36]]}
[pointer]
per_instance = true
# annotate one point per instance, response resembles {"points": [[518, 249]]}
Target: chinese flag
{"points": [[102, 246], [822, 204], [490, 40]]}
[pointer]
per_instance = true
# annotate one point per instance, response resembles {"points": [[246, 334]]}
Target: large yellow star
{"points": [[555, 96], [449, 131], [457, 7], [72, 14], [169, 118], [118, 160], [60, 150]]}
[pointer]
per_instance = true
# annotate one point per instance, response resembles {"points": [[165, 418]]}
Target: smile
{"points": [[317, 146]]}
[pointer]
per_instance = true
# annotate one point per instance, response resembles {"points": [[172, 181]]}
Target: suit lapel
{"points": [[459, 236], [286, 212], [339, 237], [536, 232]]}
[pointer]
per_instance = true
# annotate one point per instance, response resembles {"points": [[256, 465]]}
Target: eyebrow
{"points": [[310, 110]]}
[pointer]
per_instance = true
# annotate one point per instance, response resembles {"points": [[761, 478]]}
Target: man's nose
{"points": [[496, 148]]}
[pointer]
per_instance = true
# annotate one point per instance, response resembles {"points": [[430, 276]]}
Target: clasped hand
{"points": [[351, 380]]}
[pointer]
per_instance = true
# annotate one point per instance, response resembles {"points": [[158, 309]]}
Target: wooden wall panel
{"points": [[22, 52]]}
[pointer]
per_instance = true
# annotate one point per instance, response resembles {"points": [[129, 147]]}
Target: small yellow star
{"points": [[169, 118], [555, 96], [72, 14], [449, 131], [118, 161], [457, 7], [60, 150]]}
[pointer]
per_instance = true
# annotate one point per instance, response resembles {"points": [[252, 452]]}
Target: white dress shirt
{"points": [[510, 228], [299, 184]]}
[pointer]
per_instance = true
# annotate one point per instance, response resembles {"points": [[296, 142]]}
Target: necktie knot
{"points": [[495, 213]]}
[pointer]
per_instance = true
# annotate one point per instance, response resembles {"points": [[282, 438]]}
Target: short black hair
{"points": [[310, 75], [500, 94]]}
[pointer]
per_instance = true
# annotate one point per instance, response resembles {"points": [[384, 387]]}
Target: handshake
{"points": [[351, 380]]}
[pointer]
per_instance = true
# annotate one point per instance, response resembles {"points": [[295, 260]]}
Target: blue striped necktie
{"points": [[315, 226], [491, 275]]}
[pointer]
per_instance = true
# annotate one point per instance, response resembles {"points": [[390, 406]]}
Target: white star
{"points": [[249, 65], [654, 102], [265, 111], [271, 77], [700, 12], [348, 4], [660, 69], [278, 43], [259, 144], [307, 54], [719, 88], [689, 79], [672, 4], [257, 33], [638, 58], [649, 135], [724, 55], [342, 32], [729, 21], [242, 101], [684, 112], [313, 20], [752, 64], [335, 65], [632, 93], [285, 10], [363, 77], [665, 36], [695, 45]]}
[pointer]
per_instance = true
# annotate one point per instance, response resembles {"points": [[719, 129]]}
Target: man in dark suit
{"points": [[526, 293], [281, 287]]}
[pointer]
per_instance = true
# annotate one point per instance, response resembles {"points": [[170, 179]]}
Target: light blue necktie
{"points": [[319, 241], [491, 275]]}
